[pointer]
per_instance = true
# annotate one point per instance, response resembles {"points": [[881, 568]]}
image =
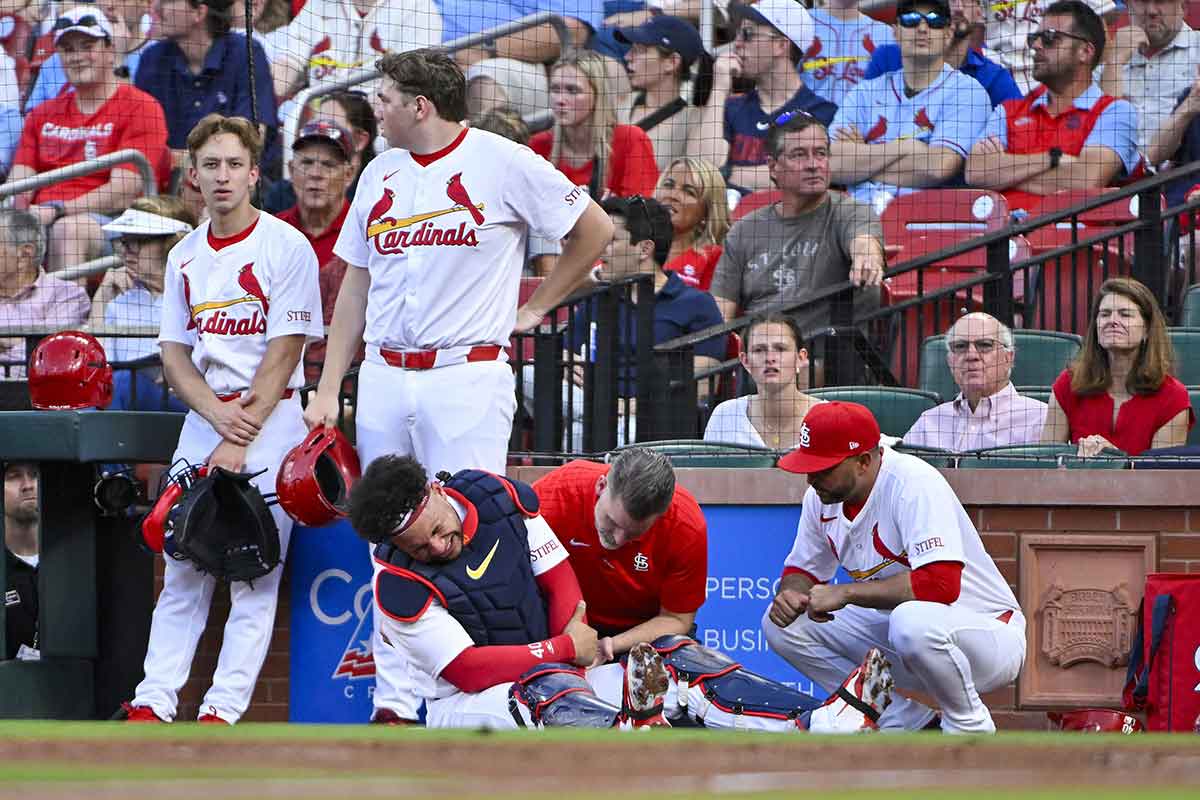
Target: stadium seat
{"points": [[755, 201], [895, 408], [700, 453], [1186, 343], [1194, 434], [923, 222], [1036, 392], [1040, 456], [935, 456], [1190, 316], [1041, 356]]}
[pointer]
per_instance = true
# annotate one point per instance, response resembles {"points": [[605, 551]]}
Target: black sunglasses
{"points": [[936, 20], [1051, 37], [86, 21]]}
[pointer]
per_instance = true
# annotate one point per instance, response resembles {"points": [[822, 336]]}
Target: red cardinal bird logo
{"points": [[877, 130], [922, 120], [323, 45], [868, 44], [813, 50], [458, 193], [381, 207], [247, 281], [187, 296], [376, 42]]}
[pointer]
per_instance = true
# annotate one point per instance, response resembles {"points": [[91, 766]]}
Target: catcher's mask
{"points": [[68, 370], [155, 525], [1095, 720], [314, 480]]}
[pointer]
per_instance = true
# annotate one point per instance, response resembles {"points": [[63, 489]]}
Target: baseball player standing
{"points": [[240, 300], [925, 591], [435, 239]]}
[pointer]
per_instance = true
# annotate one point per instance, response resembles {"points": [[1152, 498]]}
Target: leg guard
{"points": [[558, 696], [718, 691]]}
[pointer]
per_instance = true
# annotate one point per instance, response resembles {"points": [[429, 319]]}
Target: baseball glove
{"points": [[223, 526]]}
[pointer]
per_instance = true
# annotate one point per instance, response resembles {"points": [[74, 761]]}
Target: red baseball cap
{"points": [[830, 433]]}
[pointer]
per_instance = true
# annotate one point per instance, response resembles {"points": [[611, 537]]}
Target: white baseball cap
{"points": [[88, 20], [788, 17], [133, 222]]}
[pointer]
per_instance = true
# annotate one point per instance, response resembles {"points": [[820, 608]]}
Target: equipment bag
{"points": [[1163, 678]]}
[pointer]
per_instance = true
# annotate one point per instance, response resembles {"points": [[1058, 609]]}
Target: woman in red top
{"points": [[694, 192], [1119, 391], [586, 142]]}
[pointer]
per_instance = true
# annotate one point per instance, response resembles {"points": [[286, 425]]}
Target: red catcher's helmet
{"points": [[69, 370], [1096, 720], [316, 476]]}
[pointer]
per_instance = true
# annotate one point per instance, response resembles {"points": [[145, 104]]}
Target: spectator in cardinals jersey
{"points": [[913, 128], [102, 115], [844, 40]]}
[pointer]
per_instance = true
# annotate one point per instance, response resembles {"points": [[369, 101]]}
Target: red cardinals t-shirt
{"points": [[57, 134], [696, 267], [631, 169], [664, 569]]}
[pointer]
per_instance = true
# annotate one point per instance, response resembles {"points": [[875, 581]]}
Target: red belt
{"points": [[426, 359], [225, 398]]}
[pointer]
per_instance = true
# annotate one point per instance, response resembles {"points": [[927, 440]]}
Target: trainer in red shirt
{"points": [[638, 543], [96, 115]]}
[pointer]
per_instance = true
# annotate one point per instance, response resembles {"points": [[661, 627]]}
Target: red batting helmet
{"points": [[1096, 720], [69, 370], [315, 477]]}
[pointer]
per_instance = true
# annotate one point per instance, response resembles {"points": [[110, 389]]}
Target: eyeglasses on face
{"points": [[982, 346], [133, 244], [1050, 37], [748, 33], [936, 20]]}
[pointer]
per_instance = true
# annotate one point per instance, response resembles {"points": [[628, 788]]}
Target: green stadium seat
{"points": [[695, 453], [1190, 316], [1186, 342], [1040, 456], [1036, 392], [895, 408], [1041, 356], [935, 456], [1194, 433]]}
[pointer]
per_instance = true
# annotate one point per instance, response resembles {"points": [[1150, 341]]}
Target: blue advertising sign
{"points": [[332, 670]]}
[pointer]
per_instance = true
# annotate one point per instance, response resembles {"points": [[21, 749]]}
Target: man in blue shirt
{"points": [[199, 68], [910, 129], [771, 37], [966, 17]]}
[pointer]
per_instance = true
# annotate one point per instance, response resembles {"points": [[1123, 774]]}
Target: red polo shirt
{"points": [[322, 245], [665, 568]]}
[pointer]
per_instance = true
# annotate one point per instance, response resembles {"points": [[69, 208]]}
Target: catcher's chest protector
{"points": [[490, 589]]}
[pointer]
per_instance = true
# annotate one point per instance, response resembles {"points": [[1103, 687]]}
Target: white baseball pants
{"points": [[181, 613], [950, 654]]}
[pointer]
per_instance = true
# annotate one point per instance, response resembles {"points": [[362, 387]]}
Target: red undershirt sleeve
{"points": [[937, 582], [562, 592], [797, 571], [478, 668]]}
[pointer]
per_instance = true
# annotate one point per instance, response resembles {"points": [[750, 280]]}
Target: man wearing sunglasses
{"points": [[1066, 133], [771, 38], [963, 53], [102, 115], [988, 411], [1008, 25], [909, 129]]}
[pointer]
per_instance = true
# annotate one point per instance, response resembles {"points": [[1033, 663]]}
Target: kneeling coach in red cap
{"points": [[925, 592]]}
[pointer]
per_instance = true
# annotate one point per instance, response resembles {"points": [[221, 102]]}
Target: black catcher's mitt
{"points": [[223, 526]]}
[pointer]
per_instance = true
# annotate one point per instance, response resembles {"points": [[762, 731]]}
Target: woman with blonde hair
{"points": [[131, 295], [694, 193], [586, 144], [1119, 391]]}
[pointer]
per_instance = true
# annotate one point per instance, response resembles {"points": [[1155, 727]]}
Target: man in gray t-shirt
{"points": [[809, 240]]}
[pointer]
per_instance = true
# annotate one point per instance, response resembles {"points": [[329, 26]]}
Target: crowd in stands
{"points": [[812, 121]]}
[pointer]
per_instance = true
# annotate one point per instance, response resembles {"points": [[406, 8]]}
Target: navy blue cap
{"points": [[670, 33]]}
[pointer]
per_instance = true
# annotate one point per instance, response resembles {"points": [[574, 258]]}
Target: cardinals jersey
{"points": [[911, 518], [1009, 22], [950, 113], [443, 236], [227, 298], [836, 60], [435, 639], [330, 39]]}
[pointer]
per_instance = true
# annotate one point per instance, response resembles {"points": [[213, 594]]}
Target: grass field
{"points": [[40, 760]]}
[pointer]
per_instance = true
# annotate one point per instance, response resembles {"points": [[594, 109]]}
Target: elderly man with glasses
{"points": [[909, 129], [1066, 133], [988, 411]]}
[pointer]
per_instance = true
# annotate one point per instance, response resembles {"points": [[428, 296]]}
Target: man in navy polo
{"points": [[771, 38], [200, 67], [966, 20]]}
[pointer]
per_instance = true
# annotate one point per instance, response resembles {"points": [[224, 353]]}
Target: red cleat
{"points": [[385, 716], [140, 713]]}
